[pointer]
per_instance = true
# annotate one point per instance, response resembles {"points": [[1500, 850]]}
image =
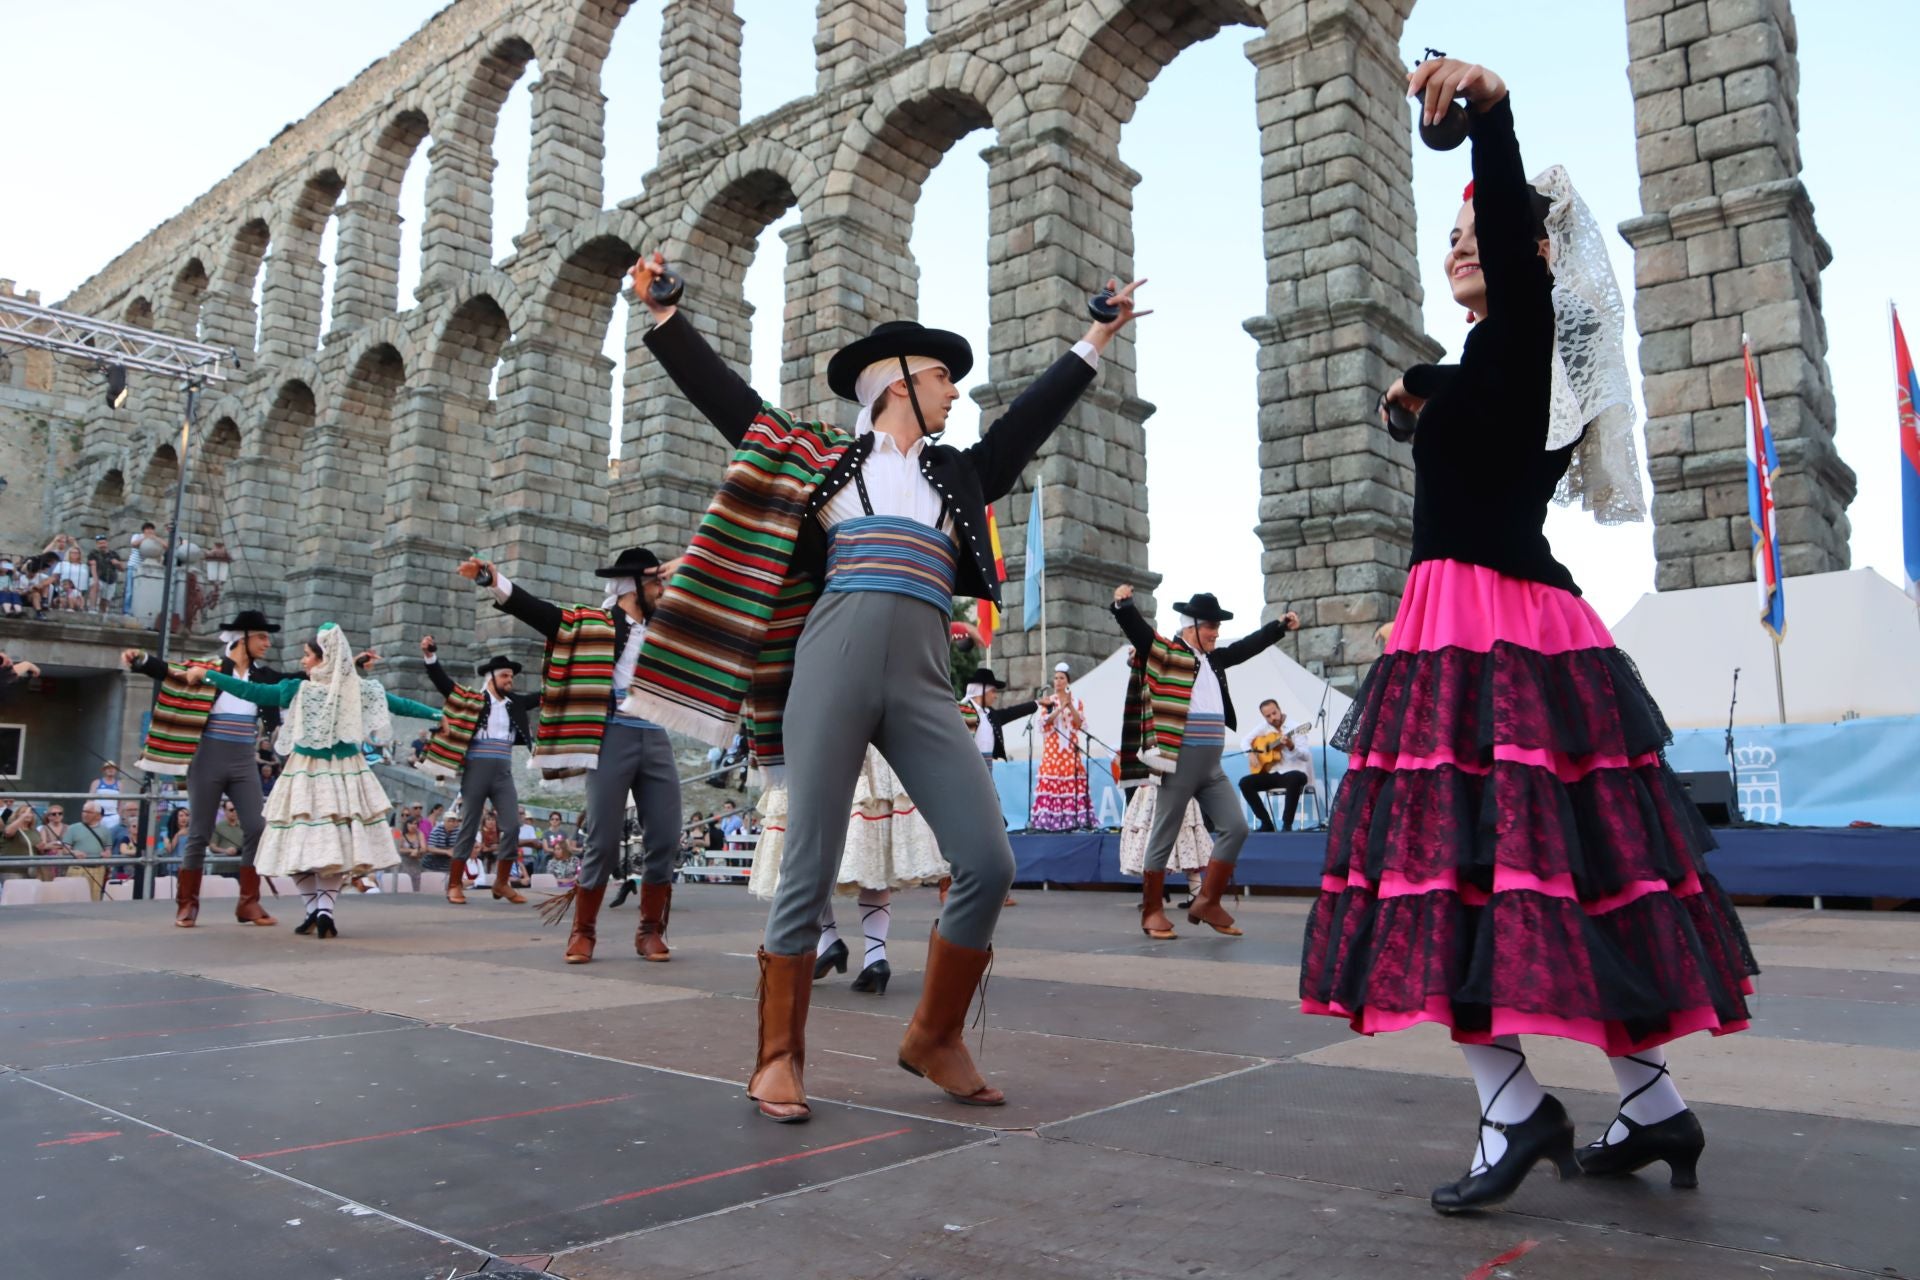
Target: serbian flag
{"points": [[989, 615], [1907, 397], [1763, 469]]}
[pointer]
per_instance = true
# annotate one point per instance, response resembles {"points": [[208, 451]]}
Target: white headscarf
{"points": [[877, 377], [335, 704], [1592, 397], [975, 692], [616, 588]]}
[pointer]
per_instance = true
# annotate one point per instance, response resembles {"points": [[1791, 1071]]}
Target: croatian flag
{"points": [[1908, 397], [1763, 468]]}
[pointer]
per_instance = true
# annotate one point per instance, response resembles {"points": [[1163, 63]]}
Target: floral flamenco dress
{"points": [[1062, 799], [1509, 852], [327, 813]]}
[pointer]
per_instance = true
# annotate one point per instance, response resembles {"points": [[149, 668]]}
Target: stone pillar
{"points": [[852, 35], [944, 15], [1060, 223], [432, 508], [1342, 321], [366, 283], [458, 235], [290, 299], [1727, 245], [699, 74], [340, 511], [544, 515], [569, 144], [227, 318]]}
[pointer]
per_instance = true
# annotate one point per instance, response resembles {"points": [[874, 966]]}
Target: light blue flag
{"points": [[1036, 574]]}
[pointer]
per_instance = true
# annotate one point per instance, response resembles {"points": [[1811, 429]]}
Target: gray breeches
{"points": [[871, 667], [481, 781], [231, 769], [1198, 776], [636, 762]]}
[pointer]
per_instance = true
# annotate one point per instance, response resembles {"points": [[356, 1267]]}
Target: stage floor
{"points": [[434, 1092]]}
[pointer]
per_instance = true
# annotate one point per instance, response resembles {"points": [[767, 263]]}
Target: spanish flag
{"points": [[989, 615]]}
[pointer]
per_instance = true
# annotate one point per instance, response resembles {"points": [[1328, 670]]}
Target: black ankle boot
{"points": [[306, 926], [874, 978], [626, 891], [325, 927], [1678, 1140], [834, 957], [1547, 1134]]}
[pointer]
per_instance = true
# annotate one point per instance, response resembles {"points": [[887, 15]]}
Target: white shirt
{"points": [[895, 483], [623, 665], [497, 728], [1206, 691], [1298, 759], [983, 732]]}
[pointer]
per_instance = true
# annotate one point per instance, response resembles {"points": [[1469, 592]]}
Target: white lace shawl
{"points": [[335, 704], [1592, 398]]}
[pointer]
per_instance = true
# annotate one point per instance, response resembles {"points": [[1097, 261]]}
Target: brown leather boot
{"points": [[503, 884], [935, 1044], [455, 869], [186, 897], [1153, 913], [248, 910], [656, 904], [1206, 908], [786, 986], [586, 911]]}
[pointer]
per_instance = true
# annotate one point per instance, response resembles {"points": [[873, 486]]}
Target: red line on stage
{"points": [[78, 1139], [148, 1004], [177, 1031], [432, 1128], [745, 1168], [1485, 1270]]}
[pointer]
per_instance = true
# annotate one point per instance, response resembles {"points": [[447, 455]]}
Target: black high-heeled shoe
{"points": [[874, 978], [1547, 1134], [305, 927], [626, 891], [325, 928], [834, 957], [1678, 1140]]}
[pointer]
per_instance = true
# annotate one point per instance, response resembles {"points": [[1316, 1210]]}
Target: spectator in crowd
{"points": [[753, 822], [41, 588], [122, 848], [105, 567], [144, 542], [108, 783], [13, 589], [693, 836], [175, 842], [730, 819], [77, 589], [429, 823], [269, 772], [19, 838], [227, 838], [263, 749], [411, 845], [716, 839], [217, 570], [564, 865], [92, 843], [439, 844], [124, 818], [417, 749]]}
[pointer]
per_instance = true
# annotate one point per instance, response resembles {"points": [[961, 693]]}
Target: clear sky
{"points": [[135, 107]]}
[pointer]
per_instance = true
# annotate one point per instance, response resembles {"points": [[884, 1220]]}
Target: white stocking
{"points": [[876, 914], [829, 931], [329, 889], [305, 882], [1647, 1091], [1508, 1093]]}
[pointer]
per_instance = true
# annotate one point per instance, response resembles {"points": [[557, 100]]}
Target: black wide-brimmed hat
{"points": [[499, 662], [985, 676], [250, 620], [633, 562], [1204, 607], [891, 339]]}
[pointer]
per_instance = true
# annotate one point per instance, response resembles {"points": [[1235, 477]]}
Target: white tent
{"points": [[1269, 674], [1852, 648]]}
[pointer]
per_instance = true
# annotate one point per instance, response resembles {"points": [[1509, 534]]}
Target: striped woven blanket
{"points": [[724, 633], [1159, 694], [179, 719], [447, 745], [576, 692]]}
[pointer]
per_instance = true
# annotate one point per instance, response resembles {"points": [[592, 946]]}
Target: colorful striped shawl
{"points": [[1159, 692], [447, 745], [725, 631], [969, 715], [179, 718], [576, 690]]}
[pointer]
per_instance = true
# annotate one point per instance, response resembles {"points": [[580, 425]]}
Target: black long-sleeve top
{"points": [[1482, 474], [518, 704], [1140, 635], [968, 478]]}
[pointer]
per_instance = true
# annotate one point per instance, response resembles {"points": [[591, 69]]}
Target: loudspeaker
{"points": [[1712, 795]]}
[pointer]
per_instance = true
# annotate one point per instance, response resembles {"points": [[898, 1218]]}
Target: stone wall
{"points": [[369, 457]]}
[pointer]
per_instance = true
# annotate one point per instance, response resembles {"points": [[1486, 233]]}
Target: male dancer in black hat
{"points": [[635, 755], [984, 716], [225, 763], [1201, 735], [487, 773], [887, 524]]}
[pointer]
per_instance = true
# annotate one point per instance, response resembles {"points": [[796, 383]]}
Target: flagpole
{"points": [[1779, 687]]}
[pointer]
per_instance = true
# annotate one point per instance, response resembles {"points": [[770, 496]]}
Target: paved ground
{"points": [[434, 1092]]}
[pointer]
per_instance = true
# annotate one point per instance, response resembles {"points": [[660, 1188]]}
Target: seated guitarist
{"points": [[1276, 763]]}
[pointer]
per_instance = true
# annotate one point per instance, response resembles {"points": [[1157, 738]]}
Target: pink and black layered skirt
{"points": [[1509, 852]]}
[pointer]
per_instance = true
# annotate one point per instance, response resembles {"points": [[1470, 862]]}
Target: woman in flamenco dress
{"points": [[1509, 852]]}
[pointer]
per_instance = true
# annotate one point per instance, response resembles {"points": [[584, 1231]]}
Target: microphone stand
{"points": [[1733, 771], [1325, 805], [1033, 800]]}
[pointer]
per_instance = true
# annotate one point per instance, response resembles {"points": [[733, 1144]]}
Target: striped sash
{"points": [[891, 554]]}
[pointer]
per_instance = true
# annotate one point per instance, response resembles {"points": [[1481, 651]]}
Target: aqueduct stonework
{"points": [[356, 464]]}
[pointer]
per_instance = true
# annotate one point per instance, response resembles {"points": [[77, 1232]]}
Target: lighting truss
{"points": [[100, 342]]}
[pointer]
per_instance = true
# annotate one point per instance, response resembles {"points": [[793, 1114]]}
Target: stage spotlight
{"points": [[116, 386]]}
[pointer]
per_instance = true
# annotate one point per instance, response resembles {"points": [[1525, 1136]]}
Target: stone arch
{"points": [[181, 313], [230, 317], [290, 315], [576, 295], [1113, 49], [138, 312], [367, 271], [158, 474], [460, 188], [466, 346]]}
